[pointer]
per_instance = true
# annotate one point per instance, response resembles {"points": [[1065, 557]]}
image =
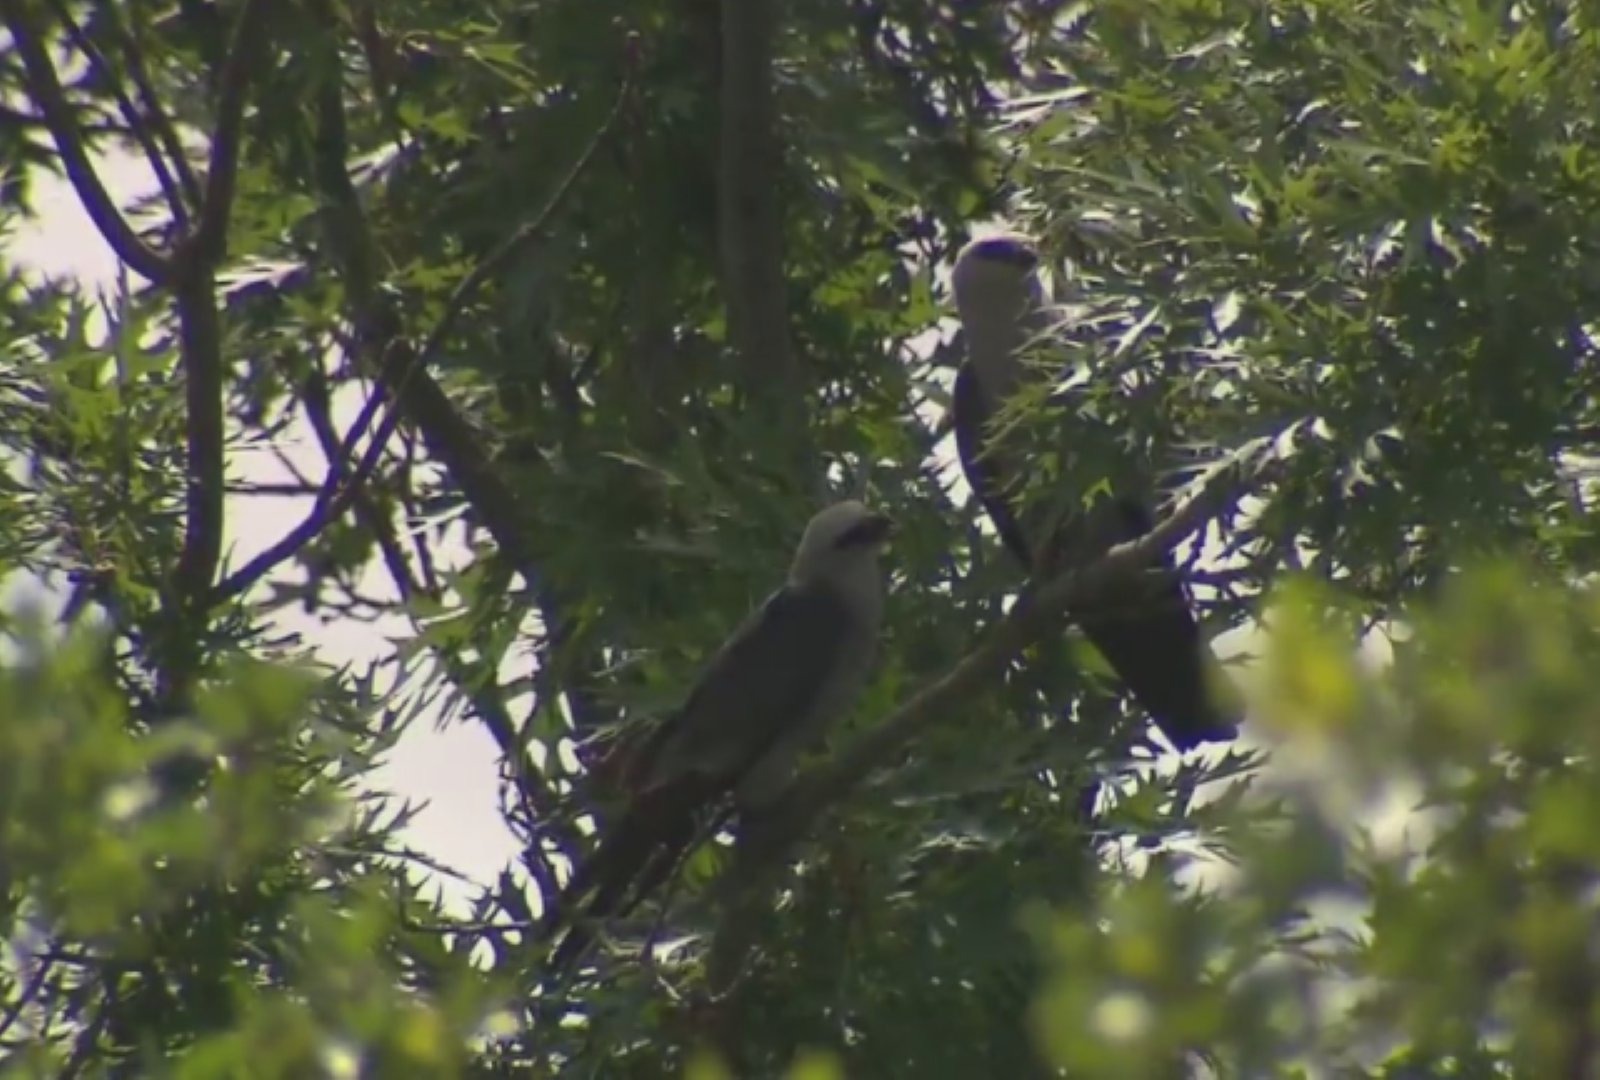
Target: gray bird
{"points": [[1145, 630], [795, 665]]}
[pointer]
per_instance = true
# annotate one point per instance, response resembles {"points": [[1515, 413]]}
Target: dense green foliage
{"points": [[620, 292]]}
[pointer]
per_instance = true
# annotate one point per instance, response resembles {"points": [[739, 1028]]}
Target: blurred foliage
{"points": [[254, 930], [1414, 894], [1357, 234]]}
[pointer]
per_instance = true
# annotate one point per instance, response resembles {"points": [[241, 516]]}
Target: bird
{"points": [[794, 665], [1144, 629]]}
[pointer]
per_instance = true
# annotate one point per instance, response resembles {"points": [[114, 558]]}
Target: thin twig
{"points": [[154, 113], [319, 410], [358, 430], [207, 243], [131, 116], [477, 929], [333, 499], [473, 680], [85, 1046], [42, 967], [269, 490]]}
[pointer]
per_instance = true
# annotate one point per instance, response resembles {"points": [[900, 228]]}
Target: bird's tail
{"points": [[631, 861], [1151, 640]]}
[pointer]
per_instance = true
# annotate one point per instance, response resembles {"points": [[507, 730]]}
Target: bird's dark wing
{"points": [[1148, 635], [1145, 630], [985, 473], [764, 681], [636, 854]]}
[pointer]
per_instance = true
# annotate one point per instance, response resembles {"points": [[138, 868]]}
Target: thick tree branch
{"points": [[749, 217], [764, 841], [350, 240], [200, 330], [200, 346], [45, 89], [190, 272], [1033, 615], [412, 392]]}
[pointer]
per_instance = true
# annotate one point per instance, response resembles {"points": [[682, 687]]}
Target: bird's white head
{"points": [[995, 280], [841, 546]]}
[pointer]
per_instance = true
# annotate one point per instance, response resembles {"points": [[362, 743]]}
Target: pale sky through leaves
{"points": [[452, 770]]}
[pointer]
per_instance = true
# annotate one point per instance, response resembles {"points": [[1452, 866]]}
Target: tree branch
{"points": [[137, 125], [332, 500], [39, 970], [763, 841], [400, 366], [407, 388], [157, 116], [411, 391], [200, 331], [208, 242], [200, 346], [474, 679], [45, 89]]}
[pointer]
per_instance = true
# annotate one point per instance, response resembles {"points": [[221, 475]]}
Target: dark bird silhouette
{"points": [[792, 667], [1144, 628]]}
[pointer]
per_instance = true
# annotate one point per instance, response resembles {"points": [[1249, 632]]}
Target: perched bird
{"points": [[796, 664], [1144, 629]]}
